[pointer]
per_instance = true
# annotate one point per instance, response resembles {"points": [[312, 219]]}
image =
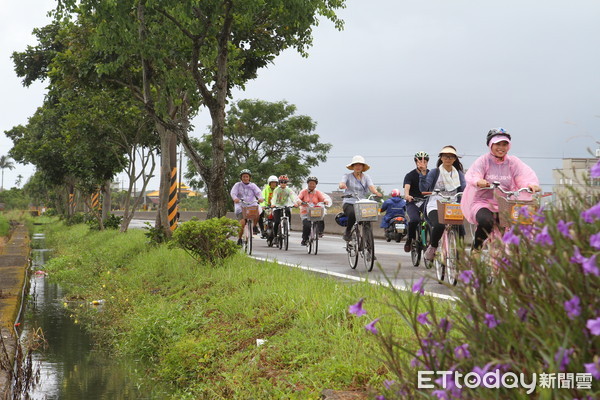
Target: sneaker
{"points": [[320, 235], [239, 242], [407, 245], [430, 253], [263, 235], [303, 243]]}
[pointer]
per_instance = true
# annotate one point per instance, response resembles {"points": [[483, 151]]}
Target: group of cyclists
{"points": [[479, 207]]}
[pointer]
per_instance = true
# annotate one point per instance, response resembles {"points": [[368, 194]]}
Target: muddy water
{"points": [[71, 367]]}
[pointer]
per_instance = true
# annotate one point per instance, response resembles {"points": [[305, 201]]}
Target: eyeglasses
{"points": [[283, 181], [448, 156]]}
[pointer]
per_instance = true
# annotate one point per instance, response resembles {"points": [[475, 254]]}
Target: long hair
{"points": [[456, 164]]}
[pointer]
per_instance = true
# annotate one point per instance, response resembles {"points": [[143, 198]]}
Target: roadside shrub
{"points": [[75, 219], [538, 322], [112, 222], [155, 235], [207, 241]]}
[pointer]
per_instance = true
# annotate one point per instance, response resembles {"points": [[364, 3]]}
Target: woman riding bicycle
{"points": [[412, 193], [245, 191], [311, 196], [479, 206], [449, 178], [355, 182], [283, 196]]}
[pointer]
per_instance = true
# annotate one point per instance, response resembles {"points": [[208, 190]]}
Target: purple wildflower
{"points": [[595, 170], [415, 363], [577, 257], [357, 309], [527, 231], [380, 397], [510, 238], [539, 217], [595, 241], [593, 368], [371, 326], [466, 276], [543, 237], [461, 352], [591, 214], [440, 394], [447, 382], [563, 227], [445, 324], [562, 357], [422, 318], [388, 383], [522, 313], [524, 212], [491, 321], [594, 326], [572, 307], [590, 267], [418, 286]]}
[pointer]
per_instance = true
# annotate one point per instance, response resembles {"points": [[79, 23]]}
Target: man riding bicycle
{"points": [[247, 192], [267, 195], [479, 206], [411, 191], [283, 196], [311, 196]]}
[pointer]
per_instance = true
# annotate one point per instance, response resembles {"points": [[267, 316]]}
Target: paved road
{"points": [[332, 260]]}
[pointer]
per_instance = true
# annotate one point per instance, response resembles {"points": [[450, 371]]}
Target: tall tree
{"points": [[269, 139], [198, 51], [5, 163]]}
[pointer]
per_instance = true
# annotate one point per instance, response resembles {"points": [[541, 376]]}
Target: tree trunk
{"points": [[162, 218], [106, 200]]}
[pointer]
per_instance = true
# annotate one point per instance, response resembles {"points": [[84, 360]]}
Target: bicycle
{"points": [[446, 257], [419, 245], [361, 235], [315, 214], [509, 213], [250, 213], [283, 234]]}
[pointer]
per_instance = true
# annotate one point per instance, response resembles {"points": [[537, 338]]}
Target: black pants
{"points": [[437, 229], [414, 219], [261, 224], [306, 228], [277, 217], [485, 223], [349, 211]]}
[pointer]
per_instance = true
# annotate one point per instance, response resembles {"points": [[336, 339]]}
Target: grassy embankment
{"points": [[196, 327]]}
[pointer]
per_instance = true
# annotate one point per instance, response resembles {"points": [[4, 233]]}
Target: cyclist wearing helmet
{"points": [[312, 196], [355, 182], [246, 191], [267, 195], [411, 190], [283, 196], [478, 206], [449, 178], [393, 206]]}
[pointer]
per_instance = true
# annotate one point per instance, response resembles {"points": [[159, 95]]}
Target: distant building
{"points": [[575, 173]]}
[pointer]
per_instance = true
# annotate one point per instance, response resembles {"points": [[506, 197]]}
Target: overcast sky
{"points": [[405, 76]]}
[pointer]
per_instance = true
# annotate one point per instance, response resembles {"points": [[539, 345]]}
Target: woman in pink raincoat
{"points": [[478, 205]]}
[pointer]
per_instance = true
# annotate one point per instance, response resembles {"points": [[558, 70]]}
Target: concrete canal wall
{"points": [[14, 260]]}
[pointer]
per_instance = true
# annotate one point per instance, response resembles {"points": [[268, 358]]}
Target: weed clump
{"points": [[207, 241]]}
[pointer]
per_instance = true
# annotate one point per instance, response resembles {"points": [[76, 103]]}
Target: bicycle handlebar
{"points": [[451, 197], [355, 195], [509, 193]]}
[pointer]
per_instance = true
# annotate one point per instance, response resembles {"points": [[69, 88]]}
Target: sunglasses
{"points": [[422, 159]]}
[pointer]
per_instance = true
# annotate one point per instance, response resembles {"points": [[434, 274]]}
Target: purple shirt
{"points": [[246, 192]]}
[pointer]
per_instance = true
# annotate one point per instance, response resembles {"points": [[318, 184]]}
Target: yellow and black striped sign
{"points": [[72, 203], [96, 201], [173, 206]]}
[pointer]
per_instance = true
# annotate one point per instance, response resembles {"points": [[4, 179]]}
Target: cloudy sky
{"points": [[405, 76]]}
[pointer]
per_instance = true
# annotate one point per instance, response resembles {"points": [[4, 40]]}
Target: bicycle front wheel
{"points": [[315, 233], [352, 248], [452, 256], [309, 242], [415, 252], [426, 240], [368, 247], [248, 237], [438, 261], [286, 234]]}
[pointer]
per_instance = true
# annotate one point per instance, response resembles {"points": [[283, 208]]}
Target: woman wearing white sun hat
{"points": [[356, 182]]}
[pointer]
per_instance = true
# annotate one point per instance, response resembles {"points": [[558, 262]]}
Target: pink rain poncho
{"points": [[512, 173]]}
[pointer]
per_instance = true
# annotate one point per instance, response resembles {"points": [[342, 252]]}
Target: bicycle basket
{"points": [[341, 219], [366, 210], [515, 212], [316, 213], [449, 213], [250, 212]]}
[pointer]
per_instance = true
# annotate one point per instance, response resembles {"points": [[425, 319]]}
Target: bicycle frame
{"points": [[361, 242]]}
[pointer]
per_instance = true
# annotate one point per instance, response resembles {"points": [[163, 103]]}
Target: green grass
{"points": [[195, 327], [4, 226]]}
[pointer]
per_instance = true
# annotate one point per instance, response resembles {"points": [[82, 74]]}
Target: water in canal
{"points": [[70, 366]]}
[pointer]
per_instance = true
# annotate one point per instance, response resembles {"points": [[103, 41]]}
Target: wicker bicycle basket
{"points": [[449, 213], [515, 212], [366, 210], [316, 213], [250, 212]]}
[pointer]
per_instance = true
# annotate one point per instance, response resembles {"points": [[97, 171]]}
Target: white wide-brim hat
{"points": [[448, 150], [358, 160]]}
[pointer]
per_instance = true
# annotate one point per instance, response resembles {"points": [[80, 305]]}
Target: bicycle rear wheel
{"points": [[352, 248], [286, 233], [368, 247], [248, 237], [452, 257], [415, 252]]}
